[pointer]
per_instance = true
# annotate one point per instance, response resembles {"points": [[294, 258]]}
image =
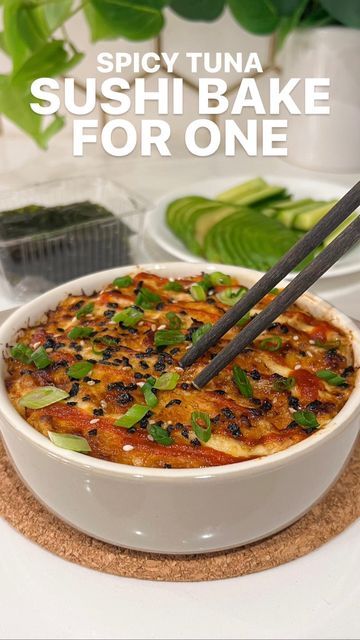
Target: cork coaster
{"points": [[339, 508]]}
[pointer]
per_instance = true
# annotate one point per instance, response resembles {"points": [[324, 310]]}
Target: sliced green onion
{"points": [[159, 434], [42, 397], [200, 332], [132, 416], [231, 296], [40, 358], [284, 384], [335, 344], [85, 310], [167, 382], [198, 292], [244, 320], [147, 299], [165, 338], [149, 396], [107, 340], [201, 424], [80, 332], [275, 291], [174, 320], [242, 382], [69, 441], [173, 286], [80, 369], [219, 278], [331, 377], [123, 282], [129, 317], [306, 419], [22, 353], [271, 344]]}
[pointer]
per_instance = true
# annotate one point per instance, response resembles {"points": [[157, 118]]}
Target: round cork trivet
{"points": [[339, 508]]}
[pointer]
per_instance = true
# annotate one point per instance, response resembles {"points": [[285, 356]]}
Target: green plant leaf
{"points": [[15, 105], [206, 10], [57, 12], [25, 30], [288, 7], [347, 11], [132, 19], [51, 60], [289, 22], [259, 17]]}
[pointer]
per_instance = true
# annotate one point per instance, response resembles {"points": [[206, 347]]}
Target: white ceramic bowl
{"points": [[177, 510]]}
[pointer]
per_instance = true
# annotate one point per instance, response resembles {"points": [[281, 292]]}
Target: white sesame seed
{"points": [[308, 353], [296, 337], [188, 347], [140, 384], [91, 383], [49, 350], [152, 421], [162, 326], [297, 366], [128, 447], [103, 404], [312, 341], [140, 324], [112, 322], [36, 345], [153, 327], [74, 319], [150, 438], [292, 410], [171, 279], [94, 420]]}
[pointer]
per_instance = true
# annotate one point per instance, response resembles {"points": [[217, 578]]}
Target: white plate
{"points": [[157, 229]]}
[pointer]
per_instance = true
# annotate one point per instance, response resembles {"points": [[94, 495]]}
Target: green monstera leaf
{"points": [[345, 11], [133, 19], [205, 10], [260, 17]]}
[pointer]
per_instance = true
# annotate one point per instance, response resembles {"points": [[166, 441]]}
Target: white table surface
{"points": [[43, 596]]}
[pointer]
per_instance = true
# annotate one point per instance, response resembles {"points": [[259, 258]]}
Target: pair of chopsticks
{"points": [[310, 274]]}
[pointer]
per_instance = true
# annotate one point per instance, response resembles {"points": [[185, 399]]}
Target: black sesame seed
{"points": [[185, 433], [85, 398], [167, 465], [254, 374], [174, 351], [112, 305], [132, 430], [138, 375], [293, 402], [284, 328], [195, 442], [143, 364], [124, 398], [92, 432], [78, 356], [255, 401], [228, 413], [348, 371], [219, 392], [98, 412], [74, 389], [160, 306], [144, 423], [116, 386], [109, 313], [292, 425], [185, 385], [71, 404], [266, 405], [172, 402], [159, 366], [49, 344], [92, 360], [234, 429]]}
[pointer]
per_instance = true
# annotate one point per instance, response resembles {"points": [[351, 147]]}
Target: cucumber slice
{"points": [[242, 190], [308, 219], [339, 229]]}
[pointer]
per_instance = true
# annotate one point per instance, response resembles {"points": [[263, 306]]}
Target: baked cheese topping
{"points": [[101, 375]]}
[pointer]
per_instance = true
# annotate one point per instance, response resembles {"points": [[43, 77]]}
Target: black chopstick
{"points": [[296, 288], [337, 214]]}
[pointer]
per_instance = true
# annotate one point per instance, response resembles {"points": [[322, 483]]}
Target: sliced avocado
{"points": [[210, 218]]}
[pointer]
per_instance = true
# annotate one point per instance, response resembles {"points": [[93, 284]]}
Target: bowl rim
{"points": [[16, 321]]}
